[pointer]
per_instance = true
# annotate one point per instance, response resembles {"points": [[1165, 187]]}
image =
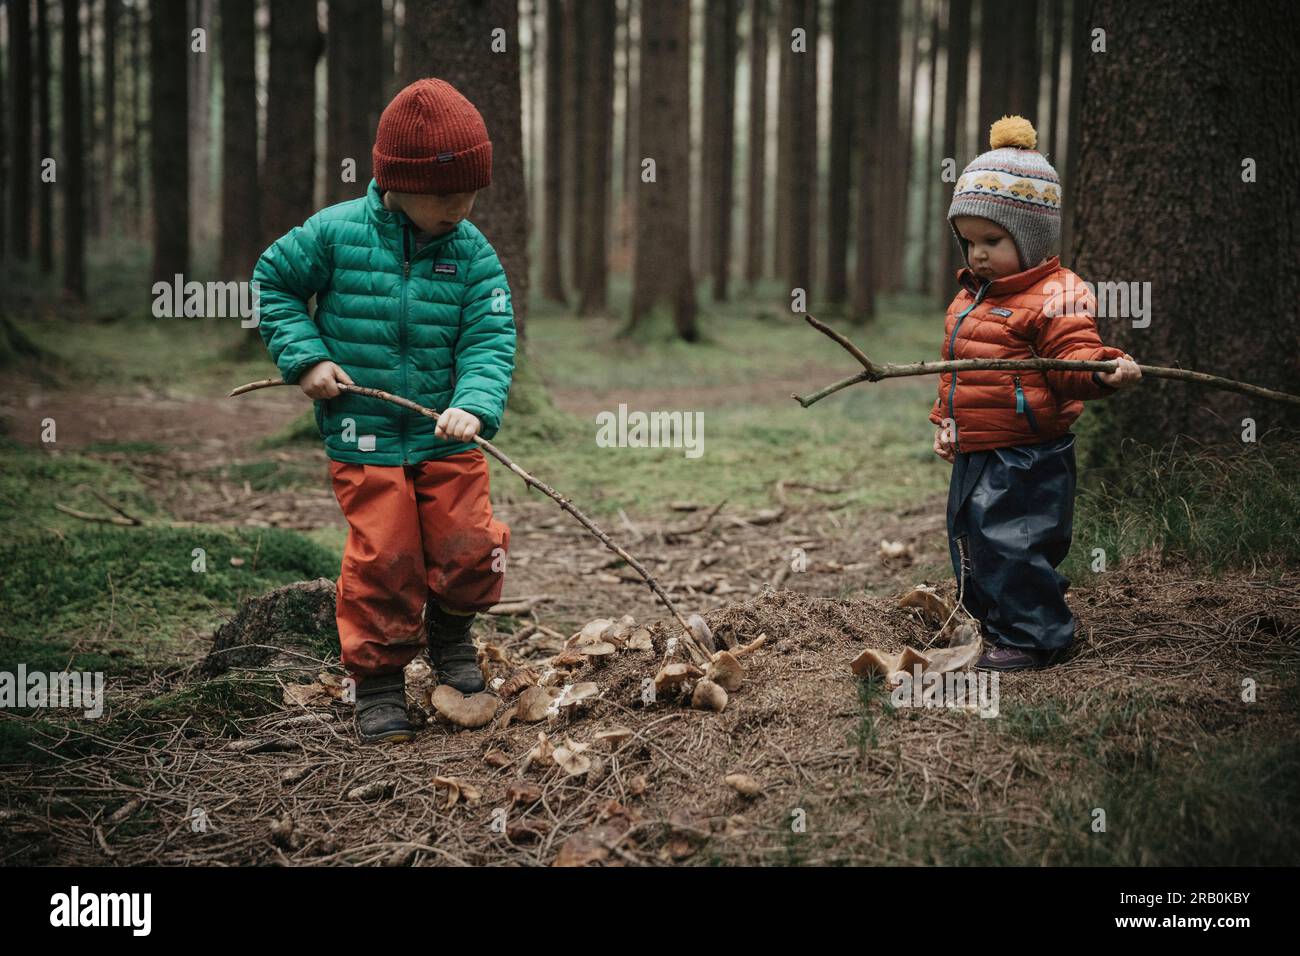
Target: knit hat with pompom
{"points": [[1016, 187]]}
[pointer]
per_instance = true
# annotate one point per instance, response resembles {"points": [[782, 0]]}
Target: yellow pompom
{"points": [[1013, 131]]}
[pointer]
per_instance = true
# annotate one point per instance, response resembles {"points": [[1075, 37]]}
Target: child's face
{"points": [[434, 214], [991, 250]]}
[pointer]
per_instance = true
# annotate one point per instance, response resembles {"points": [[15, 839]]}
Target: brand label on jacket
{"points": [[444, 268]]}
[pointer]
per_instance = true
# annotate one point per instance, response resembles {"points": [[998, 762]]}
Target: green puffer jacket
{"points": [[435, 326]]}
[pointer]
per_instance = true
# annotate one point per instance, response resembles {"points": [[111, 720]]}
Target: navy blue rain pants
{"points": [[1010, 514]]}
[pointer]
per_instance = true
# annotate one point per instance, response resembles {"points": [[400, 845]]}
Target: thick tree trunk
{"points": [[997, 35], [139, 127], [662, 263], [1048, 143], [597, 145], [240, 192], [72, 167], [954, 120], [289, 170], [909, 141], [20, 140], [755, 203], [1215, 244], [719, 137], [456, 45], [354, 50]]}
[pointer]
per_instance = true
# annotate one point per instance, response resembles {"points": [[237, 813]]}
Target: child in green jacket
{"points": [[411, 299]]}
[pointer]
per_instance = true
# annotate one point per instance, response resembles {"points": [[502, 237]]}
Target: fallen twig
{"points": [[872, 372]]}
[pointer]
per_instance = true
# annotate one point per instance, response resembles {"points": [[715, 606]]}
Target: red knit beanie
{"points": [[432, 140]]}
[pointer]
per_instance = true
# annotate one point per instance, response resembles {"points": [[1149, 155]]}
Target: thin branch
{"points": [[532, 482], [871, 372]]}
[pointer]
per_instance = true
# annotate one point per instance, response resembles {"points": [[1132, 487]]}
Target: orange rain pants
{"points": [[415, 533]]}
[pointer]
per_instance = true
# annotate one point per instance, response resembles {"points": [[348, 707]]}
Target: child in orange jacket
{"points": [[1007, 433]]}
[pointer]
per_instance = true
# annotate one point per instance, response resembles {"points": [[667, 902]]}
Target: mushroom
{"points": [[469, 712], [543, 754], [597, 652], [578, 697], [614, 736], [591, 632], [725, 671], [709, 696], [671, 675], [743, 784], [535, 702], [640, 640], [933, 609], [570, 758]]}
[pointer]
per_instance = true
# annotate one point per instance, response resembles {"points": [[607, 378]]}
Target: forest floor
{"points": [[1140, 748]]}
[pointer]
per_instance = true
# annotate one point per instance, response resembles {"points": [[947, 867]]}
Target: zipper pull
{"points": [[1020, 398]]}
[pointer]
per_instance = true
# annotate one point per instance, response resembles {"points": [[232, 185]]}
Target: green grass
{"points": [[1213, 511]]}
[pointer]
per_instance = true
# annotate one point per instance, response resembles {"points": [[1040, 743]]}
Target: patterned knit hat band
{"points": [[1015, 186]]}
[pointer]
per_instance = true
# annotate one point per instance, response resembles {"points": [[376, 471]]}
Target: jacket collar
{"points": [[1017, 282], [391, 221]]}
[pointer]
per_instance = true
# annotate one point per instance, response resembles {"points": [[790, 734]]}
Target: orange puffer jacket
{"points": [[1043, 312]]}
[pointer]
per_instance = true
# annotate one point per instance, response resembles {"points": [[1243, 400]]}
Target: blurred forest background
{"points": [[802, 149]]}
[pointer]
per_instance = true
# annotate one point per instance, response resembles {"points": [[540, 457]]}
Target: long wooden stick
{"points": [[872, 372], [691, 644]]}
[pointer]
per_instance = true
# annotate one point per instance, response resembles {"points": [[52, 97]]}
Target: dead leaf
{"points": [[458, 790], [570, 758], [496, 758], [543, 754], [522, 791]]}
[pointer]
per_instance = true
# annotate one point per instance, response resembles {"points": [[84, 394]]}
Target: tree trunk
{"points": [[997, 35], [631, 125], [576, 53], [928, 272], [288, 173], [954, 120], [889, 161], [802, 156], [865, 27], [456, 45], [1212, 242], [553, 164], [72, 167], [1048, 144], [139, 128], [909, 141], [169, 45], [719, 140], [45, 146], [20, 143], [240, 194], [598, 136], [755, 205], [843, 69], [354, 50], [662, 261], [108, 195], [1080, 54]]}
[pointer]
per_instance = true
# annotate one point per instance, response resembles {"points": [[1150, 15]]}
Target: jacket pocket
{"points": [[1023, 407], [320, 418]]}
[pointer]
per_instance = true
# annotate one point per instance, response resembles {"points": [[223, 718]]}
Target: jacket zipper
{"points": [[952, 355], [401, 328], [1022, 406]]}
